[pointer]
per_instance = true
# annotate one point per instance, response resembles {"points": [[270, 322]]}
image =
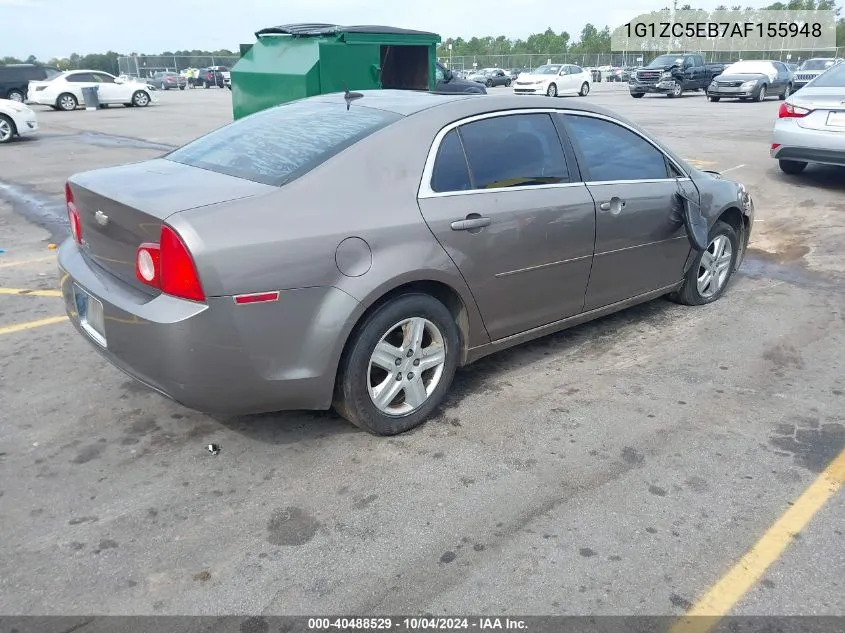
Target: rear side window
{"points": [[612, 152], [81, 78], [279, 144], [515, 150], [451, 172]]}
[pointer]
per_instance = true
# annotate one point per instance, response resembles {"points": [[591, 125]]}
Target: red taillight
{"points": [[169, 266], [73, 215], [789, 111], [775, 146]]}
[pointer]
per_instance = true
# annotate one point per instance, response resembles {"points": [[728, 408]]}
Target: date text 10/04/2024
{"points": [[416, 624], [722, 29]]}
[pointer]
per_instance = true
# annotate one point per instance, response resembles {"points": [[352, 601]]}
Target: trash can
{"points": [[91, 96]]}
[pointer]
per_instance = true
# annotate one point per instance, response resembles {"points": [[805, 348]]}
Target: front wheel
{"points": [[140, 99], [792, 167], [786, 92], [761, 94], [163, 87], [398, 366], [711, 271], [7, 129], [677, 91], [638, 95], [508, 83], [585, 89], [551, 91], [713, 99]]}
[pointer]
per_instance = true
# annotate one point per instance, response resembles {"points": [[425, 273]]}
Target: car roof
{"points": [[409, 102]]}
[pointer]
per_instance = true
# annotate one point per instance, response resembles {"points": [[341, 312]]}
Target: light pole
{"points": [[450, 55]]}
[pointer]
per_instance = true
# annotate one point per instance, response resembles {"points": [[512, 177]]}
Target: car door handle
{"points": [[615, 205], [470, 223]]}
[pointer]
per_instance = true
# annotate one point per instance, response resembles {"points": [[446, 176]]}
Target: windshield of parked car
{"points": [[749, 68], [666, 60], [817, 64], [547, 70], [833, 78], [279, 144]]}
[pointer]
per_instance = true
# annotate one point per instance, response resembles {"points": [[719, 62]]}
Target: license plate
{"points": [[91, 318], [836, 119]]}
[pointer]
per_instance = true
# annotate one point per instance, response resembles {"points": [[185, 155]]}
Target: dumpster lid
{"points": [[317, 29]]}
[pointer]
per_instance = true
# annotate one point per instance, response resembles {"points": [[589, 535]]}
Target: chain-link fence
{"points": [[148, 65], [597, 60]]}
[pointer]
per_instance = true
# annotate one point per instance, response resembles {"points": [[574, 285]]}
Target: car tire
{"points": [[140, 99], [792, 167], [697, 288], [714, 99], [163, 87], [585, 89], [761, 94], [638, 95], [16, 95], [677, 91], [551, 91], [67, 102], [8, 131], [786, 92], [181, 87], [354, 399], [508, 83], [206, 85], [488, 83]]}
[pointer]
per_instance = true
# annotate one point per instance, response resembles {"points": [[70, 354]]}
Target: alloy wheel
{"points": [[406, 366], [67, 102], [714, 267], [140, 99], [5, 130], [552, 91], [16, 96]]}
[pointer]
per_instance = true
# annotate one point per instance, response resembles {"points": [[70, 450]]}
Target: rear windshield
{"points": [[833, 78], [279, 144]]}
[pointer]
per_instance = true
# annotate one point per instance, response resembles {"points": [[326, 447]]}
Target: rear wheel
{"points": [[585, 89], [792, 167], [786, 92], [489, 83], [67, 102], [181, 87], [551, 91], [16, 95], [638, 95], [7, 129], [399, 365], [711, 271]]}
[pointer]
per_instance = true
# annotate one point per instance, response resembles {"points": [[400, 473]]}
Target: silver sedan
{"points": [[811, 124]]}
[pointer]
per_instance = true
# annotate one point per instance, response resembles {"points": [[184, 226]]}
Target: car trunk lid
{"points": [[122, 207], [827, 107]]}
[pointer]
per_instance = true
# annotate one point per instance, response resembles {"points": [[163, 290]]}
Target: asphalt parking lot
{"points": [[621, 467]]}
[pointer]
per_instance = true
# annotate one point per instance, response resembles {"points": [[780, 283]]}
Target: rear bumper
{"points": [[215, 356], [808, 146], [41, 98]]}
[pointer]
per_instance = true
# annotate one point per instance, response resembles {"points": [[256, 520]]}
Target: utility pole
{"points": [[674, 9]]}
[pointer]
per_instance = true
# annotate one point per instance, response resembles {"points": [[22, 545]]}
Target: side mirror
{"points": [[448, 75], [118, 80]]}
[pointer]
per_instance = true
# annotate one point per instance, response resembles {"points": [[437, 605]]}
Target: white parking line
{"points": [[732, 168]]}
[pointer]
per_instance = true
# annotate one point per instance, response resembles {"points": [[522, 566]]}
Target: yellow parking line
{"points": [[33, 293], [730, 589], [19, 327], [24, 262]]}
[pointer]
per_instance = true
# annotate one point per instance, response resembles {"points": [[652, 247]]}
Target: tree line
{"points": [[591, 40]]}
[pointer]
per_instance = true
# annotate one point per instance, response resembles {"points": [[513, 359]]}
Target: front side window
{"points": [[103, 78], [576, 70], [279, 144], [514, 150], [612, 152]]}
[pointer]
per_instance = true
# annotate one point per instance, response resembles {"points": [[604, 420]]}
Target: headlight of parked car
{"points": [[748, 85], [666, 75]]}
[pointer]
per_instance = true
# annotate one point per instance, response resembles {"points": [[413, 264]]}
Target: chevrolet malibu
{"points": [[354, 252]]}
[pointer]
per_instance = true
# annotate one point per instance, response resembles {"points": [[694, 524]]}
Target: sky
{"points": [[57, 28]]}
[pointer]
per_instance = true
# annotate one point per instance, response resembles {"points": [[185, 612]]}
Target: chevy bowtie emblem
{"points": [[102, 218]]}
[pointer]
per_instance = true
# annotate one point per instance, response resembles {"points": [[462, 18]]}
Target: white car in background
{"points": [[554, 80], [64, 92], [16, 120]]}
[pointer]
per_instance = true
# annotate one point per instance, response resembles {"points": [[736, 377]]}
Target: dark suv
{"points": [[212, 76], [15, 78]]}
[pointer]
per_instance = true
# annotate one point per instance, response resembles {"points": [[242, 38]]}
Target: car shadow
{"points": [[826, 177], [287, 427]]}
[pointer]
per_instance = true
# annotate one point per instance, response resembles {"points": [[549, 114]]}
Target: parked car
{"points": [[554, 80], [810, 127], [227, 79], [793, 68], [672, 75], [752, 79], [812, 68], [16, 120], [254, 287], [64, 91], [447, 81], [211, 76], [492, 77], [168, 80], [14, 79]]}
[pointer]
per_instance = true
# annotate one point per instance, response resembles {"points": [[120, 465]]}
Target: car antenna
{"points": [[349, 97]]}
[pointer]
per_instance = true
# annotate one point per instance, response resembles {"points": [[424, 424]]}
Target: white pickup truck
{"points": [[227, 78]]}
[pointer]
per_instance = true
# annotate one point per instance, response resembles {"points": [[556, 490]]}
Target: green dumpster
{"points": [[295, 61]]}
